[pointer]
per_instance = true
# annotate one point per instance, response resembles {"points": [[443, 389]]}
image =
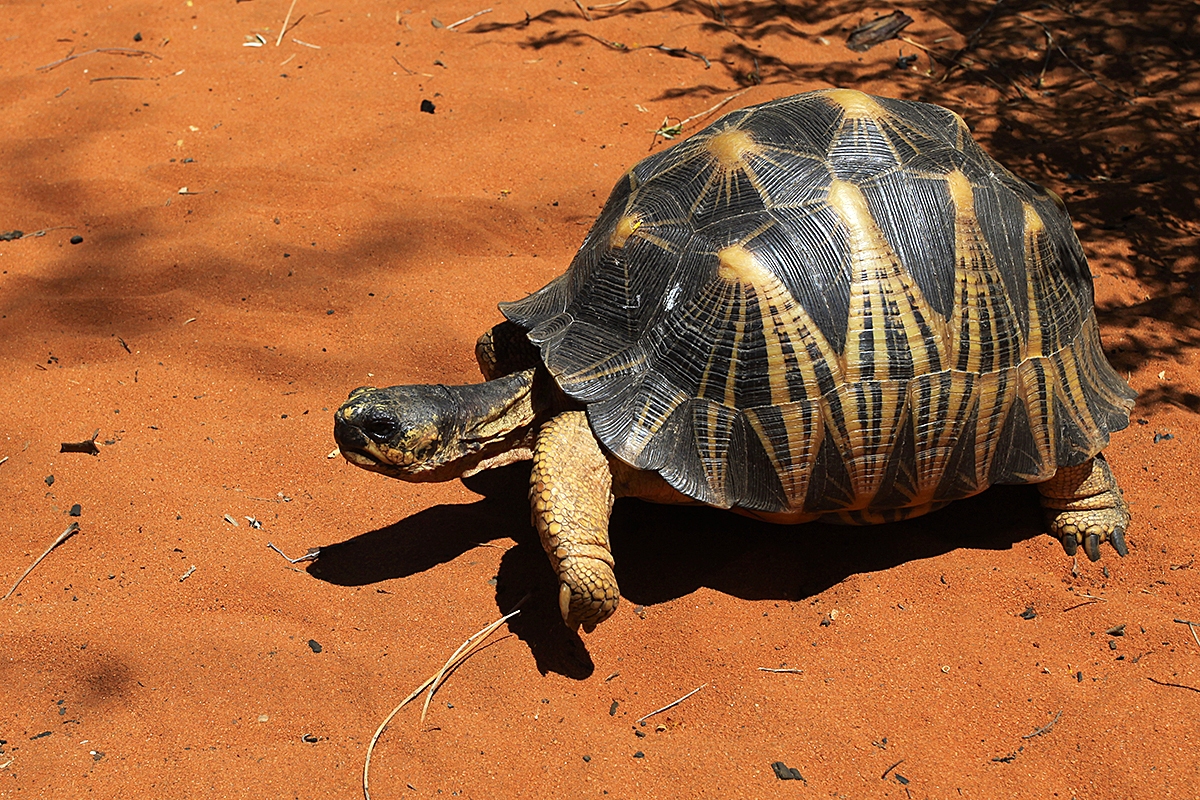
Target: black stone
{"points": [[786, 773]]}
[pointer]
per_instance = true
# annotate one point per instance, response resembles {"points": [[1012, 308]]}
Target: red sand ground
{"points": [[331, 234]]}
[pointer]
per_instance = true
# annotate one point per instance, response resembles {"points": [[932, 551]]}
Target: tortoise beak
{"points": [[355, 445]]}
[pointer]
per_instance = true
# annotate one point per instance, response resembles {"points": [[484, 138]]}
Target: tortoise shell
{"points": [[832, 304]]}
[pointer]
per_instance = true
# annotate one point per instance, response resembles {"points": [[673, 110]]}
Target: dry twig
{"points": [[71, 530], [286, 20], [674, 51], [123, 51], [1044, 729], [671, 131], [1050, 43], [671, 705], [1191, 627], [465, 651], [1089, 601], [465, 20]]}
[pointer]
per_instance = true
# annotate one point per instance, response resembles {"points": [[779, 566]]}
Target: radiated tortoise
{"points": [[829, 306]]}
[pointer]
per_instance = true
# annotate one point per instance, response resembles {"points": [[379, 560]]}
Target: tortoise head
{"points": [[433, 432], [406, 432]]}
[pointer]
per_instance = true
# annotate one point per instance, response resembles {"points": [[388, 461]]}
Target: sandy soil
{"points": [[264, 228]]}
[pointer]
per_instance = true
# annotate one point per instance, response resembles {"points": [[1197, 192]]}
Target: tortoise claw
{"points": [[1117, 537], [1091, 546], [1070, 544]]}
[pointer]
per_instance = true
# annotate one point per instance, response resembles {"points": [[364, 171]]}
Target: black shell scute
{"points": [[832, 303]]}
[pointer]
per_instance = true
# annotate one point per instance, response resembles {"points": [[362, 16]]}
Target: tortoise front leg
{"points": [[1085, 506], [571, 496], [504, 349]]}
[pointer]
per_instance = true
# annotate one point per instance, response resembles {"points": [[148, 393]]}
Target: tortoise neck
{"points": [[499, 418]]}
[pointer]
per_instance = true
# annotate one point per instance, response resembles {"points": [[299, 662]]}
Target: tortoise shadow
{"points": [[664, 553]]}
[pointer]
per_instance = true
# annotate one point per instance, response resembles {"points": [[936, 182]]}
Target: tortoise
{"points": [[829, 306]]}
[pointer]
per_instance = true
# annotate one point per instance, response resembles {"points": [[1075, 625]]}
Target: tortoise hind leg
{"points": [[1084, 505], [570, 493]]}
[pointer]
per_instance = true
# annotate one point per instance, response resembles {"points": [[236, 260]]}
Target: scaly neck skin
{"points": [[498, 419]]}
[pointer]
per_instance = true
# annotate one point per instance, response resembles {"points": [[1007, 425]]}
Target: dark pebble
{"points": [[315, 645], [1112, 644], [1116, 630], [97, 755], [903, 781], [786, 773], [137, 37], [49, 480], [41, 735], [76, 239], [1028, 613], [1162, 437], [639, 754], [612, 710], [428, 107], [587, 759], [76, 510], [329, 312], [640, 734]]}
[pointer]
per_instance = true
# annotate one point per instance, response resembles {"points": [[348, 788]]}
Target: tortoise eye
{"points": [[380, 425]]}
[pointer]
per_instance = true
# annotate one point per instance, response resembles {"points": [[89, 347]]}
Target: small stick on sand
{"points": [[1089, 601], [1174, 685], [124, 51], [789, 669], [312, 554], [1045, 728], [1180, 621], [469, 647], [671, 131], [583, 11], [286, 20], [705, 113], [71, 530], [465, 20], [670, 705]]}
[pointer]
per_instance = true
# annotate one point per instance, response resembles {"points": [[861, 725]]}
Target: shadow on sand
{"points": [[664, 553]]}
